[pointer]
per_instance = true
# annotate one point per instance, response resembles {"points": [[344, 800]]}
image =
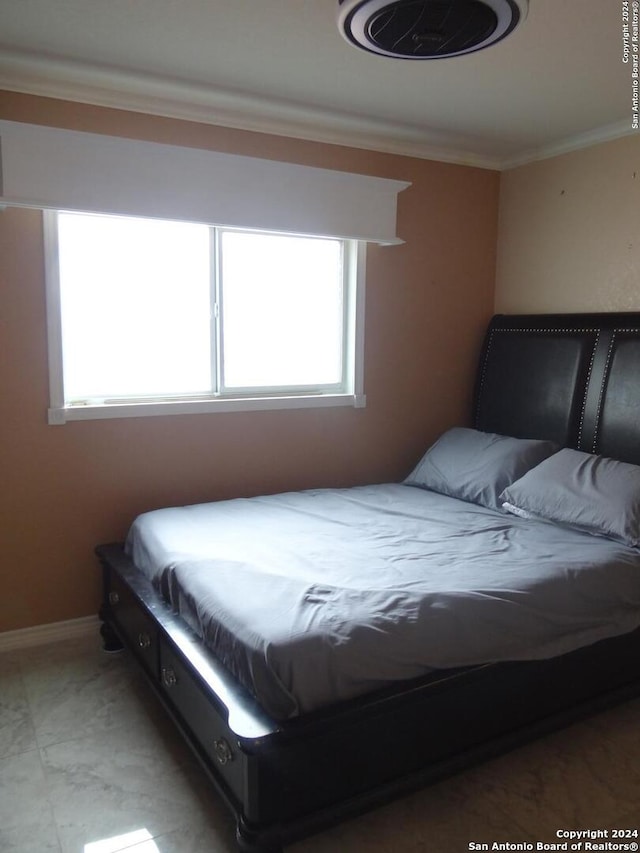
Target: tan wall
{"points": [[569, 232], [67, 488]]}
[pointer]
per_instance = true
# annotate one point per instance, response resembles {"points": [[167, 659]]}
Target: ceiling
{"points": [[558, 82]]}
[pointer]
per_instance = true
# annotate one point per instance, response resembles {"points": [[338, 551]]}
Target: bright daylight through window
{"points": [[150, 317]]}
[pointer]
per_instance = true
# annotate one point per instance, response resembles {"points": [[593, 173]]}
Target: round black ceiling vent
{"points": [[428, 29]]}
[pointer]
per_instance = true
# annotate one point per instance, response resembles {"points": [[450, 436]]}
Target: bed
{"points": [[311, 695]]}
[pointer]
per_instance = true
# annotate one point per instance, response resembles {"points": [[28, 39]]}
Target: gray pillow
{"points": [[476, 466], [588, 492]]}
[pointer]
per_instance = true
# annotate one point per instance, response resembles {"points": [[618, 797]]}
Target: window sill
{"points": [[65, 414]]}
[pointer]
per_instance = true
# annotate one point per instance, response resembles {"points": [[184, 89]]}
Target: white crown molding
{"points": [[574, 143], [40, 635], [69, 80], [107, 86]]}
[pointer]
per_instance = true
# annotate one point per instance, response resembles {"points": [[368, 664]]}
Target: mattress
{"points": [[311, 598]]}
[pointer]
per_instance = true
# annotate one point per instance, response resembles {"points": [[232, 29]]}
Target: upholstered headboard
{"points": [[572, 378]]}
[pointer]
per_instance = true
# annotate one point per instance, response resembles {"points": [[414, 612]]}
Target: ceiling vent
{"points": [[428, 29]]}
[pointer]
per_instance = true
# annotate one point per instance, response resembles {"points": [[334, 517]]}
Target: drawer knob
{"points": [[169, 678], [144, 641], [223, 751], [114, 598]]}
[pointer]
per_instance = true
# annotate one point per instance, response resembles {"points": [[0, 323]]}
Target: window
{"points": [[151, 316]]}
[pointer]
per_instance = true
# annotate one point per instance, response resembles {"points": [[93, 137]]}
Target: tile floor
{"points": [[90, 764]]}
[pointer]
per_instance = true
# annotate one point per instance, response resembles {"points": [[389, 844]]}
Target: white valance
{"points": [[45, 167]]}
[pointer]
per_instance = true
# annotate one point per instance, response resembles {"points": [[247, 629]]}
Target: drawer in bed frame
{"points": [[285, 780], [134, 625], [219, 745], [178, 686]]}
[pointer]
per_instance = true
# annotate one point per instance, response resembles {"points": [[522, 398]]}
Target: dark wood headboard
{"points": [[571, 378]]}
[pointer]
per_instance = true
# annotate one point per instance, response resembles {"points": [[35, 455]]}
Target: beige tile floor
{"points": [[90, 764]]}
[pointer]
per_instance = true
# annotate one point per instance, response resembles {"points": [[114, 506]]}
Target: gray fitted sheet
{"points": [[314, 597]]}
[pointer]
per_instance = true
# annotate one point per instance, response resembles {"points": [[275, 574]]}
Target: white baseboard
{"points": [[40, 635]]}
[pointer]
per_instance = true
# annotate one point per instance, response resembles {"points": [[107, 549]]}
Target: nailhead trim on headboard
{"points": [[536, 331], [590, 402], [605, 377], [586, 389]]}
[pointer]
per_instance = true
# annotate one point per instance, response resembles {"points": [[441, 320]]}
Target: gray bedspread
{"points": [[314, 597]]}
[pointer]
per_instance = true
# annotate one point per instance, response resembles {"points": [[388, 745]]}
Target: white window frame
{"points": [[351, 392]]}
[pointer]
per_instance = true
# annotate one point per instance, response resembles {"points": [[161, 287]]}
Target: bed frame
{"points": [[574, 379]]}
